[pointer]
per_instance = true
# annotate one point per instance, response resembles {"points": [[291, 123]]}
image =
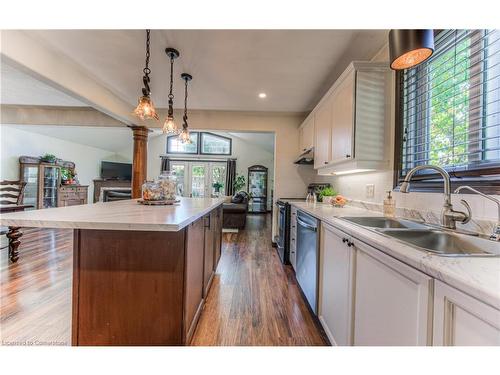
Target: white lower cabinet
{"points": [[460, 319], [336, 285], [393, 304], [367, 297]]}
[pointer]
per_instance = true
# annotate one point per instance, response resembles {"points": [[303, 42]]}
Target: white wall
{"points": [[16, 142]]}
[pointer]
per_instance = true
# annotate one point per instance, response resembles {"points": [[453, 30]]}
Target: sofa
{"points": [[234, 212]]}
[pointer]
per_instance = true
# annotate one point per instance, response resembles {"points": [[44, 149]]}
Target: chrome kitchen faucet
{"points": [[449, 216]]}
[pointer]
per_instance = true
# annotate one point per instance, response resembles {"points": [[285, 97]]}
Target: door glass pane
{"points": [[179, 170], [198, 180], [50, 182], [218, 179], [30, 176]]}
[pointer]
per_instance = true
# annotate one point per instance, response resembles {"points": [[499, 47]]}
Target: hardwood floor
{"points": [[35, 292], [254, 300]]}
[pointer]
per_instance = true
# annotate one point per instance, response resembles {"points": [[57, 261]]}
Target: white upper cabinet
{"points": [[323, 133], [343, 120], [306, 135], [461, 320], [350, 121]]}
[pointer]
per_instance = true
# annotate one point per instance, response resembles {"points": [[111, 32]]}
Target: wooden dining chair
{"points": [[11, 196], [11, 192]]}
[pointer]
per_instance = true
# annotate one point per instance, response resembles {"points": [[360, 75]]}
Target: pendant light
{"points": [[408, 48], [145, 109], [169, 125], [184, 136]]}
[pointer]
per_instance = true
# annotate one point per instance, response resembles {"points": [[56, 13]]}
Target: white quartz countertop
{"points": [[476, 276], [118, 215]]}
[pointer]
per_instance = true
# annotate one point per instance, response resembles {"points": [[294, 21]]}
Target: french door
{"points": [[197, 178]]}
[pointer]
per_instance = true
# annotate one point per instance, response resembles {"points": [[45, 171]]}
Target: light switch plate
{"points": [[370, 190]]}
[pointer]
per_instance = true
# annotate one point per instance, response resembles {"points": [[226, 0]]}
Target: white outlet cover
{"points": [[370, 190]]}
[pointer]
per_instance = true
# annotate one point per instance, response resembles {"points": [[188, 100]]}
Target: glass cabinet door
{"points": [[50, 185], [30, 176]]}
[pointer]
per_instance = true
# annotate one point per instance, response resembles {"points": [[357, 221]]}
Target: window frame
{"points": [[181, 152], [200, 149], [199, 145], [485, 178]]}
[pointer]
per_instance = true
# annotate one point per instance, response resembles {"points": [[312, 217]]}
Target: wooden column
{"points": [[140, 159]]}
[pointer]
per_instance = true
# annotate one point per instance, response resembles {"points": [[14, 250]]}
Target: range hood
{"points": [[307, 157]]}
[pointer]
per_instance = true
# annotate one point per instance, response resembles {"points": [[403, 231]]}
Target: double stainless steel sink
{"points": [[427, 238]]}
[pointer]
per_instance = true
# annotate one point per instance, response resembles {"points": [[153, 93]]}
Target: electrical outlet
{"points": [[370, 190]]}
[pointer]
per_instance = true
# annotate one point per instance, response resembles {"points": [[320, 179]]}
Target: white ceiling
{"points": [[230, 67], [18, 87]]}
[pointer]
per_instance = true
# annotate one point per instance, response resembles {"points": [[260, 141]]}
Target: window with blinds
{"points": [[450, 106]]}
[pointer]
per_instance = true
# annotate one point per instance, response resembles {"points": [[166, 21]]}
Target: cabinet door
{"points": [[336, 285], [218, 236], [343, 120], [30, 174], [322, 128], [208, 270], [463, 320], [392, 304], [193, 280], [306, 135]]}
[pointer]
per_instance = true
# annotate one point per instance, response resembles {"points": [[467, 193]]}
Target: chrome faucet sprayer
{"points": [[495, 236]]}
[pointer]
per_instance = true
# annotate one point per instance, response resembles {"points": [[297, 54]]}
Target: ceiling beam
{"points": [[47, 115], [36, 57]]}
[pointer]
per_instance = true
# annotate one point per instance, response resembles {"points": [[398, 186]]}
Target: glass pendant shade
{"points": [[409, 48], [169, 126], [145, 109], [184, 136]]}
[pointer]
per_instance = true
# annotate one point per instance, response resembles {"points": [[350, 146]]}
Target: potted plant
{"points": [[67, 176], [327, 194], [217, 186], [48, 158], [239, 183]]}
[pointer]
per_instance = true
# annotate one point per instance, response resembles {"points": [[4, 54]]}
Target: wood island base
{"points": [[143, 287]]}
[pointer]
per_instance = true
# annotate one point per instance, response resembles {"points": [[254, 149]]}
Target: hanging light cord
{"points": [[170, 95], [146, 91], [185, 117]]}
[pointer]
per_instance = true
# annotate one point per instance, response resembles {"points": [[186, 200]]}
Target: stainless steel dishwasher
{"points": [[307, 257]]}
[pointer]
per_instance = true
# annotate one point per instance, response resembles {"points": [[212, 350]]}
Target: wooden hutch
{"points": [[44, 188]]}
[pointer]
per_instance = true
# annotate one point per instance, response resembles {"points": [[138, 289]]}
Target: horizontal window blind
{"points": [[450, 104]]}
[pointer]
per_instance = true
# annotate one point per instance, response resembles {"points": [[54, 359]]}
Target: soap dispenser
{"points": [[389, 205]]}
